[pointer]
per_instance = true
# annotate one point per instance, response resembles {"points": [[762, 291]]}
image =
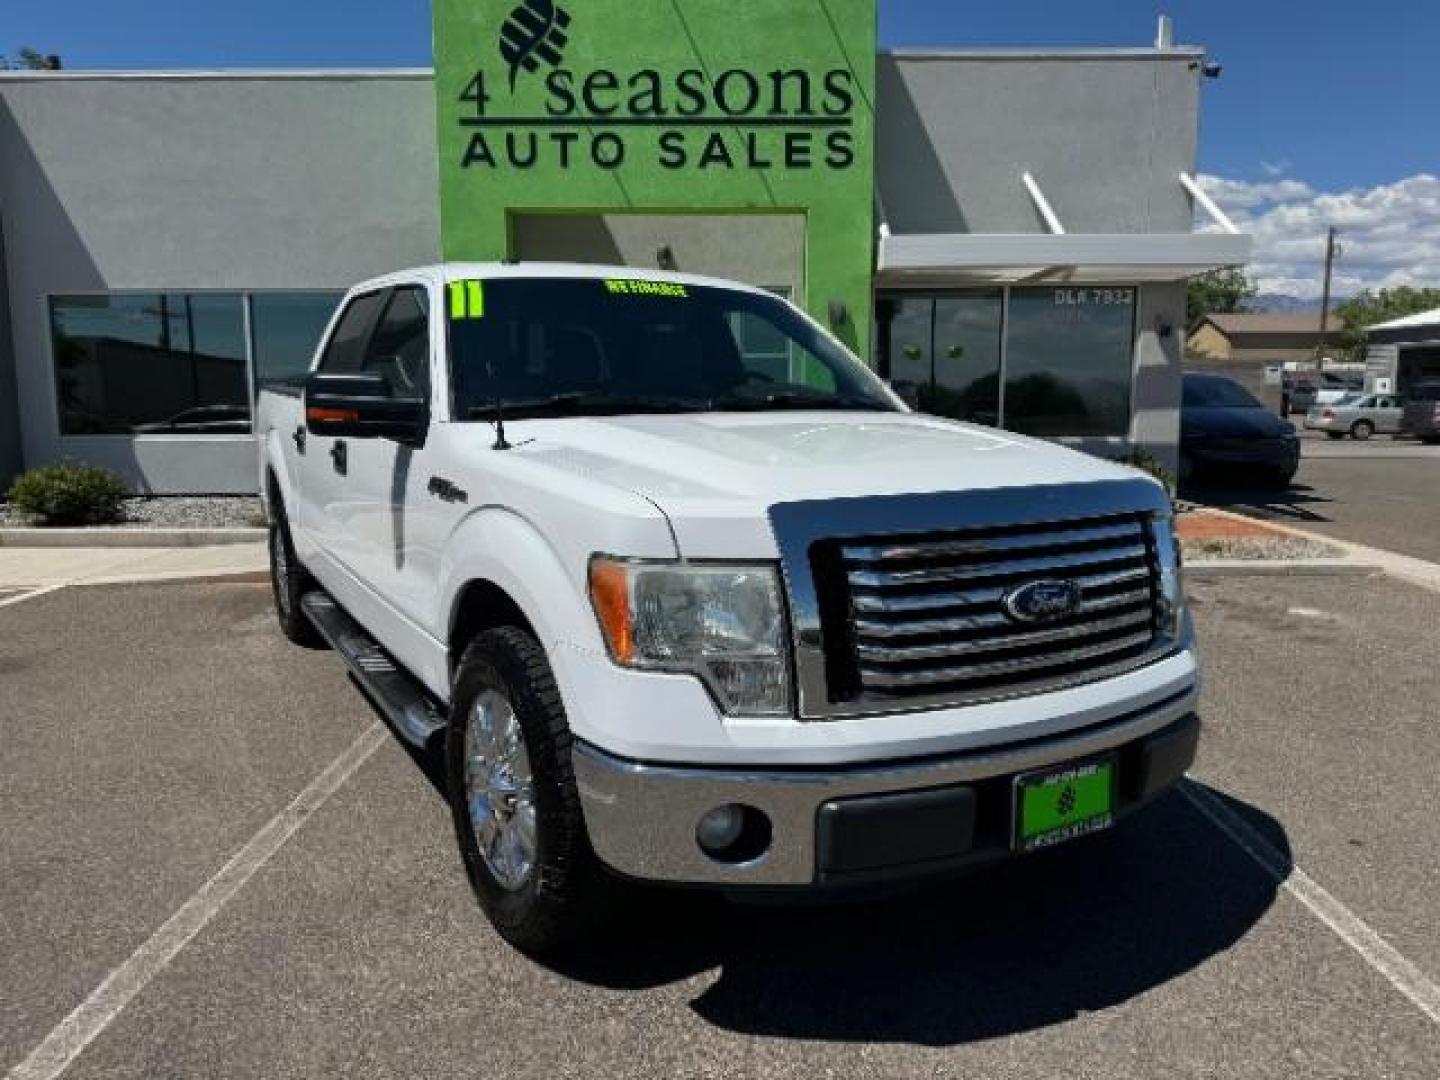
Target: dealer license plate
{"points": [[1064, 803]]}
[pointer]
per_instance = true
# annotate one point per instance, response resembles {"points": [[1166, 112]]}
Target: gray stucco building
{"points": [[168, 241]]}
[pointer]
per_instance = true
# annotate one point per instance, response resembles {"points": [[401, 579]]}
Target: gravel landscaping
{"points": [[176, 512], [1251, 547]]}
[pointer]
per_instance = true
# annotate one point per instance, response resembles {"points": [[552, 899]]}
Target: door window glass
{"points": [[342, 352], [399, 348]]}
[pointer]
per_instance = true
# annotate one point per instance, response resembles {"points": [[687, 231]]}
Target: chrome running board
{"points": [[405, 703]]}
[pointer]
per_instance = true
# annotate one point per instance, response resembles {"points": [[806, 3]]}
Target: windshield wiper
{"points": [[581, 402]]}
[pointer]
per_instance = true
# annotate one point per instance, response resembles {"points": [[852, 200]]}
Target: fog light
{"points": [[733, 833]]}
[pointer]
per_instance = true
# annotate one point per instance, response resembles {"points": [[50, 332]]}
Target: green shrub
{"points": [[69, 494]]}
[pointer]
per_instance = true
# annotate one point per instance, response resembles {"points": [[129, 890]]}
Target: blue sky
{"points": [[1321, 101]]}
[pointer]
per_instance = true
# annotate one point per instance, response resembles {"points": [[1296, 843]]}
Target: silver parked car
{"points": [[1357, 415]]}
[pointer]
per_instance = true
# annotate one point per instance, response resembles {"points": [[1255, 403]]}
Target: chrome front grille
{"points": [[925, 616]]}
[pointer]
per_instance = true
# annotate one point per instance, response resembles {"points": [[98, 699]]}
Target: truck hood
{"points": [[716, 475]]}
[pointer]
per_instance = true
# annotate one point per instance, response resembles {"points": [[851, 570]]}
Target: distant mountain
{"points": [[1280, 303]]}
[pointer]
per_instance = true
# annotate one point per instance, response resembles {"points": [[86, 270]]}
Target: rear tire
{"points": [[512, 789], [1361, 430], [289, 581]]}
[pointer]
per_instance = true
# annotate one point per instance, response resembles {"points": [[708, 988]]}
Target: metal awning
{"points": [[1058, 256], [1041, 258]]}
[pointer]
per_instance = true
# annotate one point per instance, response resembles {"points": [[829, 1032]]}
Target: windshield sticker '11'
{"points": [[645, 288], [467, 299]]}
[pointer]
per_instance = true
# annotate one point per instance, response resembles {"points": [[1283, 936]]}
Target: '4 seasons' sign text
{"points": [[782, 118]]}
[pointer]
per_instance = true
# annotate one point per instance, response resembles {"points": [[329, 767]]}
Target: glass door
{"points": [[966, 383], [948, 346]]}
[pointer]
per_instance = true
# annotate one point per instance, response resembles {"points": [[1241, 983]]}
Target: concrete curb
{"points": [[125, 537], [1364, 560], [209, 577], [1215, 568]]}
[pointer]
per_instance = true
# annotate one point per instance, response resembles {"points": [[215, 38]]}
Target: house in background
{"points": [[1259, 337]]}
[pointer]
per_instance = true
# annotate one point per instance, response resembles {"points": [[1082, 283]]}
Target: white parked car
{"points": [[1358, 415], [691, 596]]}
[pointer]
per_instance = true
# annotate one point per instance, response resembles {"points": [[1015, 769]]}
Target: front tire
{"points": [[1362, 430], [288, 583], [513, 797]]}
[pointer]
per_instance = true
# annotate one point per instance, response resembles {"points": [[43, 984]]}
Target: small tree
{"points": [[1221, 290], [1369, 307], [28, 59]]}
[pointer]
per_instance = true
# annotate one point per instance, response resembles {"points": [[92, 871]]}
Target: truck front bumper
{"points": [[862, 823]]}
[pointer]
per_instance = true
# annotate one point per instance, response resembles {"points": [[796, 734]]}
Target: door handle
{"points": [[338, 456], [299, 436]]}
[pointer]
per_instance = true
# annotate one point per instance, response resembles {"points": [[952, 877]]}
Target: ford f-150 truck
{"points": [[693, 597]]}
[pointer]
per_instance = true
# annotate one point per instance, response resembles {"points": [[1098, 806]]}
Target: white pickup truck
{"points": [[695, 598]]}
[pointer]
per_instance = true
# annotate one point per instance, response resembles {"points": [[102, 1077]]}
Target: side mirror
{"points": [[907, 391], [362, 407]]}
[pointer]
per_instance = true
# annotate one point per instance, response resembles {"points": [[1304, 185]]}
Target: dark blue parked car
{"points": [[1225, 430]]}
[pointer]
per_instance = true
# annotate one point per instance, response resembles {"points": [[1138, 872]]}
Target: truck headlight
{"points": [[725, 624]]}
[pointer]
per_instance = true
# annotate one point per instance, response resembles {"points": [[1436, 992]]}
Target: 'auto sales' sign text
{"points": [[790, 118]]}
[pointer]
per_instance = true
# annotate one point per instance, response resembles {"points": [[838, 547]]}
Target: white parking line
{"points": [[30, 594], [1422, 991], [94, 1014]]}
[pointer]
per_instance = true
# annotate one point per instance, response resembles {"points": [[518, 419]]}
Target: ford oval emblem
{"points": [[1041, 601]]}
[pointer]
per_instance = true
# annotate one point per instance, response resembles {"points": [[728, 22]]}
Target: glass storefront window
{"points": [[1067, 356], [286, 327], [151, 363], [1069, 360]]}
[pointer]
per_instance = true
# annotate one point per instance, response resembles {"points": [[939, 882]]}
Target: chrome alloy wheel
{"points": [[500, 790]]}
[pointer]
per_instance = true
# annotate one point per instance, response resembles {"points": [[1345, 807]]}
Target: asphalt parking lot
{"points": [[152, 731], [1382, 493]]}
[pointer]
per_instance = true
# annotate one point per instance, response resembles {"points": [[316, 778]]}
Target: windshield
{"points": [[583, 346], [1215, 393]]}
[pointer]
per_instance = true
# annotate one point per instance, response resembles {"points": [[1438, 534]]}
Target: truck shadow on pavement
{"points": [[1020, 946], [1010, 948], [1298, 503]]}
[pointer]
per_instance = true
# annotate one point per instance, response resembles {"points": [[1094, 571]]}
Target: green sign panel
{"points": [[663, 106]]}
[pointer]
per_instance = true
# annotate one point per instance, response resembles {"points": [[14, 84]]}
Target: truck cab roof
{"points": [[442, 273]]}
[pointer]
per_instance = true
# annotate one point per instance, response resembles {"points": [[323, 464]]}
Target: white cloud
{"points": [[1389, 235], [1275, 168]]}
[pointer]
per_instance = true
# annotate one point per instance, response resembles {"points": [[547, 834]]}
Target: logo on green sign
{"points": [[535, 31]]}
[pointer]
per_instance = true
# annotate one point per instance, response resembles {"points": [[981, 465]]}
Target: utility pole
{"points": [[1325, 294]]}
